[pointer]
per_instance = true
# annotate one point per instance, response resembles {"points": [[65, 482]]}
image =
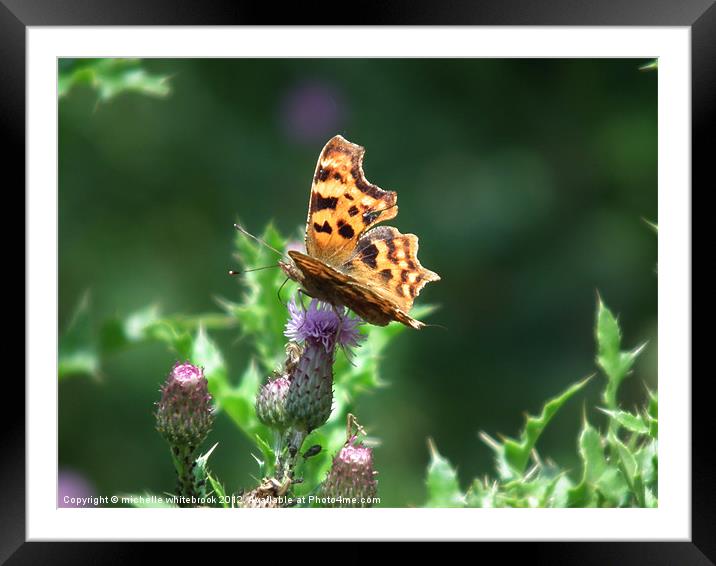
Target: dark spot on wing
{"points": [[326, 227], [345, 230], [387, 274], [319, 202], [322, 174], [348, 196], [369, 254], [390, 244], [353, 210], [337, 177]]}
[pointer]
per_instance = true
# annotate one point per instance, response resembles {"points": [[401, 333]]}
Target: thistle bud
{"points": [[351, 480], [271, 403], [184, 413], [319, 329], [310, 395]]}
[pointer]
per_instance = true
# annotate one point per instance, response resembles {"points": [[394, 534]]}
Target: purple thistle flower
{"points": [[320, 324], [73, 490], [187, 373], [296, 245], [320, 328], [184, 413], [351, 480]]}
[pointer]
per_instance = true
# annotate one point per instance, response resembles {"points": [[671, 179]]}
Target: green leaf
{"points": [[148, 325], [629, 467], [200, 471], [206, 354], [483, 494], [647, 458], [362, 373], [653, 407], [615, 363], [218, 490], [239, 403], [632, 423], [442, 482], [612, 488], [261, 314], [513, 454], [118, 333], [110, 77], [651, 415], [594, 465], [78, 349], [559, 494]]}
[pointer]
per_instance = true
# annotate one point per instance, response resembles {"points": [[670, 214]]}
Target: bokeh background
{"points": [[527, 181]]}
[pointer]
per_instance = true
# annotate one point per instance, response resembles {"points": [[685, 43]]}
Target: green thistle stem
{"points": [[277, 449], [289, 456], [183, 458]]}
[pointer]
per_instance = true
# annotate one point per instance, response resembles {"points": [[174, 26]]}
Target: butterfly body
{"points": [[374, 271]]}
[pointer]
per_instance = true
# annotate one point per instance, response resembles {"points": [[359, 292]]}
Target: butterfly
{"points": [[374, 271]]}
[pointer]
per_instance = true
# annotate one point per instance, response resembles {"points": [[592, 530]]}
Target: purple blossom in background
{"points": [[312, 112], [73, 490], [296, 245]]}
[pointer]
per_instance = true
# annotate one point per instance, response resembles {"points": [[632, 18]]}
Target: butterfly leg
{"points": [[301, 293], [341, 317]]}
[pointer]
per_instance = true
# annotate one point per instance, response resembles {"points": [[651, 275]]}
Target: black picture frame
{"points": [[699, 15]]}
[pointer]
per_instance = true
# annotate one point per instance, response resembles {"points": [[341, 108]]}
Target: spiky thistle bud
{"points": [[184, 418], [351, 480], [184, 413], [271, 403], [320, 329]]}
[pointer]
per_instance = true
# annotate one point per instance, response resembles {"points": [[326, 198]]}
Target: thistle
{"points": [[271, 403], [351, 480], [184, 417], [320, 328]]}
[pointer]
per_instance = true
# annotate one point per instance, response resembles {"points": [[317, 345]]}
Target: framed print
{"points": [[235, 334]]}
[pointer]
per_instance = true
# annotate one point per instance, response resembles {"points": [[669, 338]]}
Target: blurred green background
{"points": [[527, 182]]}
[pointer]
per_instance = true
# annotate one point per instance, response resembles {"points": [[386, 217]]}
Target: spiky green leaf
{"points": [[442, 482]]}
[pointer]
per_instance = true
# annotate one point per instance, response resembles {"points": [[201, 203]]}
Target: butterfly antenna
{"points": [[259, 240], [440, 326], [234, 272]]}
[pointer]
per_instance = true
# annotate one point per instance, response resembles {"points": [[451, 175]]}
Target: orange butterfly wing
{"points": [[343, 203], [373, 271], [325, 283], [388, 261]]}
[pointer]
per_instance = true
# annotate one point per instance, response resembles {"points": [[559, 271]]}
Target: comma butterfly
{"points": [[373, 271]]}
